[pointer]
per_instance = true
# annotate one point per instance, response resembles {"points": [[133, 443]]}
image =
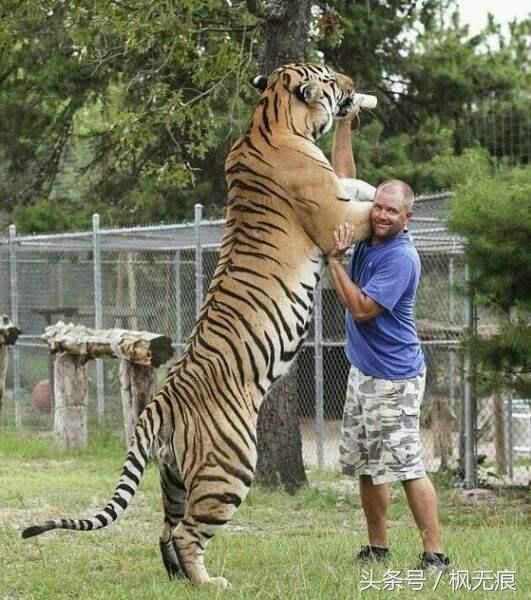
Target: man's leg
{"points": [[375, 502], [422, 501]]}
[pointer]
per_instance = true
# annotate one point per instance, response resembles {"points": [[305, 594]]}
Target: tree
{"points": [[440, 89], [37, 104], [492, 214], [147, 90], [134, 110], [286, 30]]}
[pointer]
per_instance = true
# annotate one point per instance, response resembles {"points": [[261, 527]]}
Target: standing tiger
{"points": [[284, 204]]}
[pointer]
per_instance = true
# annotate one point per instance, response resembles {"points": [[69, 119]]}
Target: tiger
{"points": [[284, 204]]}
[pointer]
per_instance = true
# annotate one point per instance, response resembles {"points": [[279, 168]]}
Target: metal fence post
{"points": [[509, 441], [469, 408], [319, 379], [198, 212], [98, 315], [14, 317], [178, 299], [451, 315]]}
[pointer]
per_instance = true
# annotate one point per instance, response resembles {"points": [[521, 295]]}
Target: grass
{"points": [[277, 547]]}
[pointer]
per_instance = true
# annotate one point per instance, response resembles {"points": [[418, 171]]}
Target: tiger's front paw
{"points": [[218, 582]]}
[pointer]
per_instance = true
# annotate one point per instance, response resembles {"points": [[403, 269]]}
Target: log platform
{"points": [[9, 333], [72, 346]]}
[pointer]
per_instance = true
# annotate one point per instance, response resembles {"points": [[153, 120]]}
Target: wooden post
{"points": [[73, 345], [136, 388], [8, 336], [71, 396]]}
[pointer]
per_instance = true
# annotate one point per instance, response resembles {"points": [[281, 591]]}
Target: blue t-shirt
{"points": [[387, 345]]}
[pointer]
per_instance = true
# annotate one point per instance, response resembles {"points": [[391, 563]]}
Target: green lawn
{"points": [[278, 546]]}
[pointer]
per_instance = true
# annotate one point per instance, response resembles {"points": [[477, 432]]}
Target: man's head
{"points": [[391, 210]]}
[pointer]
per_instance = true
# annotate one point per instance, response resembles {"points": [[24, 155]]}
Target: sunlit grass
{"points": [[278, 546]]}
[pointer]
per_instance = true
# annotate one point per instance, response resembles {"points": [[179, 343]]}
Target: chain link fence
{"points": [[154, 278]]}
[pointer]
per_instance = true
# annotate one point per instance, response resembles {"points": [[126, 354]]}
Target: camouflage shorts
{"points": [[380, 436]]}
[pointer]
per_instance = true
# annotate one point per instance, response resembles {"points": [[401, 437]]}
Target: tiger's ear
{"points": [[309, 93], [259, 82]]}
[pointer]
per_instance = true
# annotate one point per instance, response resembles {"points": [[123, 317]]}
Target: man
{"points": [[380, 439]]}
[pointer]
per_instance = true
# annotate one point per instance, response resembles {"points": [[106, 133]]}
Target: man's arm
{"points": [[342, 155], [361, 307]]}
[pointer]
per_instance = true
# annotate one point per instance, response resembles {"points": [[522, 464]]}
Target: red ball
{"points": [[41, 397]]}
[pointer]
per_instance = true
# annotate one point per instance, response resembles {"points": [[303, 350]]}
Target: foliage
{"points": [[421, 67], [492, 213], [37, 102], [440, 89], [42, 217], [157, 85], [137, 103]]}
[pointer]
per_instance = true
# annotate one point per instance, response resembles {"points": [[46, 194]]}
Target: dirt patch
{"points": [[345, 486], [476, 496]]}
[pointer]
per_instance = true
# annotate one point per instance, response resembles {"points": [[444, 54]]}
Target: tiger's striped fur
{"points": [[284, 205]]}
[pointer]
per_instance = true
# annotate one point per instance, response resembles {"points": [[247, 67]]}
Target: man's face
{"points": [[389, 215]]}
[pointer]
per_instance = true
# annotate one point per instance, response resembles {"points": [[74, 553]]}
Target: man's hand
{"points": [[353, 112], [343, 237], [361, 307]]}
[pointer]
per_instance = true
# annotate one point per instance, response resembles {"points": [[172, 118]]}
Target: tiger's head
{"points": [[305, 98]]}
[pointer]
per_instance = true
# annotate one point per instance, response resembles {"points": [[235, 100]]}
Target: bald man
{"points": [[380, 438]]}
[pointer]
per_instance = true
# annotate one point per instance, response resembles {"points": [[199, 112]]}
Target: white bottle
{"points": [[366, 100]]}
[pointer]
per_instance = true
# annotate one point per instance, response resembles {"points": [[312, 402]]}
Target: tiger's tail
{"points": [[146, 430]]}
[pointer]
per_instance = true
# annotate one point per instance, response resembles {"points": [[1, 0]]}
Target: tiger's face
{"points": [[309, 96]]}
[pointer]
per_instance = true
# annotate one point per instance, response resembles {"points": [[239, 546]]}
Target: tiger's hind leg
{"points": [[211, 504], [174, 503]]}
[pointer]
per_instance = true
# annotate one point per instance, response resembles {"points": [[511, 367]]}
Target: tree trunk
{"points": [[286, 28], [279, 438], [140, 347], [286, 38]]}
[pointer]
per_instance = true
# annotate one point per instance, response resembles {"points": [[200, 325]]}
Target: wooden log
{"points": [[136, 388], [140, 347], [71, 396], [8, 331], [8, 336]]}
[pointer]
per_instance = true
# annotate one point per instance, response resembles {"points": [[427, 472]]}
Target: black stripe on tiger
{"points": [[225, 413]]}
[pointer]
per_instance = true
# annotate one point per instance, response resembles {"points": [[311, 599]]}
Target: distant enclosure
{"points": [[153, 278]]}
